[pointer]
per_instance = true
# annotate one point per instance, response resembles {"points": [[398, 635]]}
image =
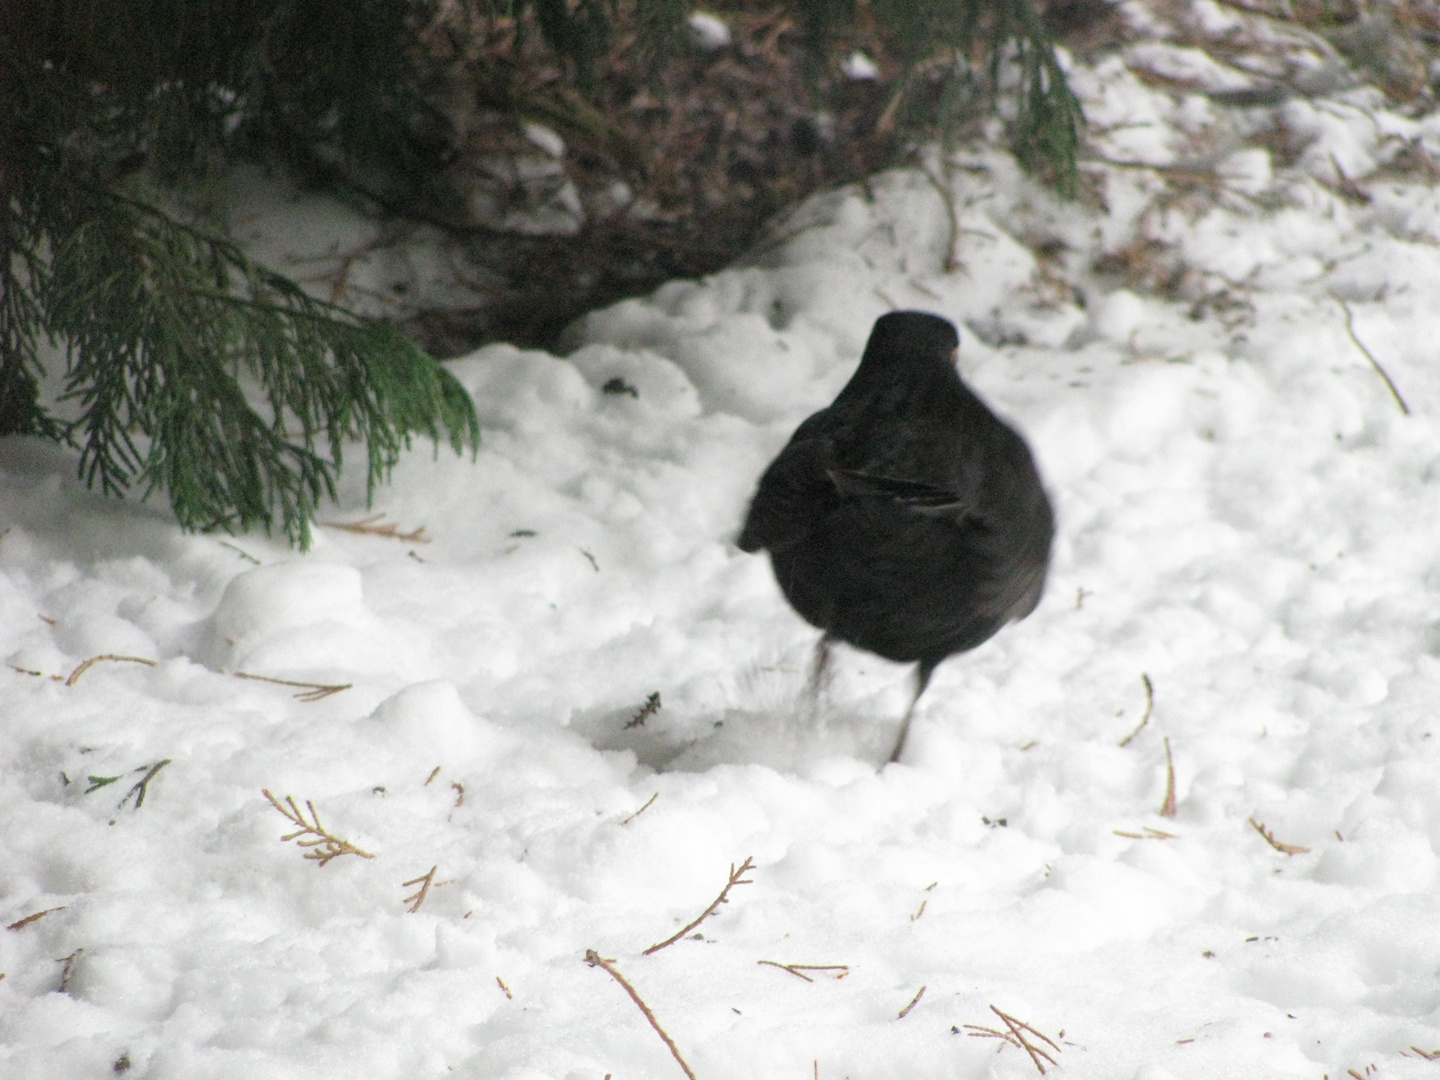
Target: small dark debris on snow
{"points": [[617, 386], [649, 709]]}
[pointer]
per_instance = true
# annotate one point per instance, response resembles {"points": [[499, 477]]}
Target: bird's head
{"points": [[911, 340]]}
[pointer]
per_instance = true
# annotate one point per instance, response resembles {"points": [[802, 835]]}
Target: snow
{"points": [[1247, 527], [860, 67], [709, 31]]}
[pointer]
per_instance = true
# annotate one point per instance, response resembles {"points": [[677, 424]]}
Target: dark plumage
{"points": [[906, 518]]}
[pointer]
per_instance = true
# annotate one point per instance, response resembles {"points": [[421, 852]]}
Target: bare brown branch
{"points": [[737, 877], [326, 846], [594, 959]]}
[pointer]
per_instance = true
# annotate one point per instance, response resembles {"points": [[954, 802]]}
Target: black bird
{"points": [[906, 519]]}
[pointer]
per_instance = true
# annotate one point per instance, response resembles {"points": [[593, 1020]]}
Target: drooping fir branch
{"points": [[224, 384], [20, 320], [979, 53]]}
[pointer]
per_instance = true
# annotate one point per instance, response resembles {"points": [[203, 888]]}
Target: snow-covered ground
{"points": [[1249, 525]]}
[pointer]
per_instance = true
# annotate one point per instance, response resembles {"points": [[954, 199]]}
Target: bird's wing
{"points": [[922, 497], [795, 492]]}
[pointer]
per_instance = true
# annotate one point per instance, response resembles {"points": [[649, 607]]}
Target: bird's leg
{"points": [[922, 680], [820, 669], [819, 676]]}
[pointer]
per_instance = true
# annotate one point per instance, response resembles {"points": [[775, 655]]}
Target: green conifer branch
{"points": [[225, 384]]}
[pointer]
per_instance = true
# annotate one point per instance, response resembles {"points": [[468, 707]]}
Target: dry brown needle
{"points": [[1149, 708], [309, 691], [88, 664], [1288, 849]]}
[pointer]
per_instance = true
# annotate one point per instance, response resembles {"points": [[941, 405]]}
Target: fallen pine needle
{"points": [[142, 788], [737, 877], [424, 881], [1288, 849], [648, 802], [371, 527], [1015, 1036], [1148, 834], [913, 1002], [88, 664], [1149, 708], [326, 845], [1350, 329], [1167, 808], [309, 691], [28, 919], [800, 969], [69, 969], [594, 959], [501, 982]]}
